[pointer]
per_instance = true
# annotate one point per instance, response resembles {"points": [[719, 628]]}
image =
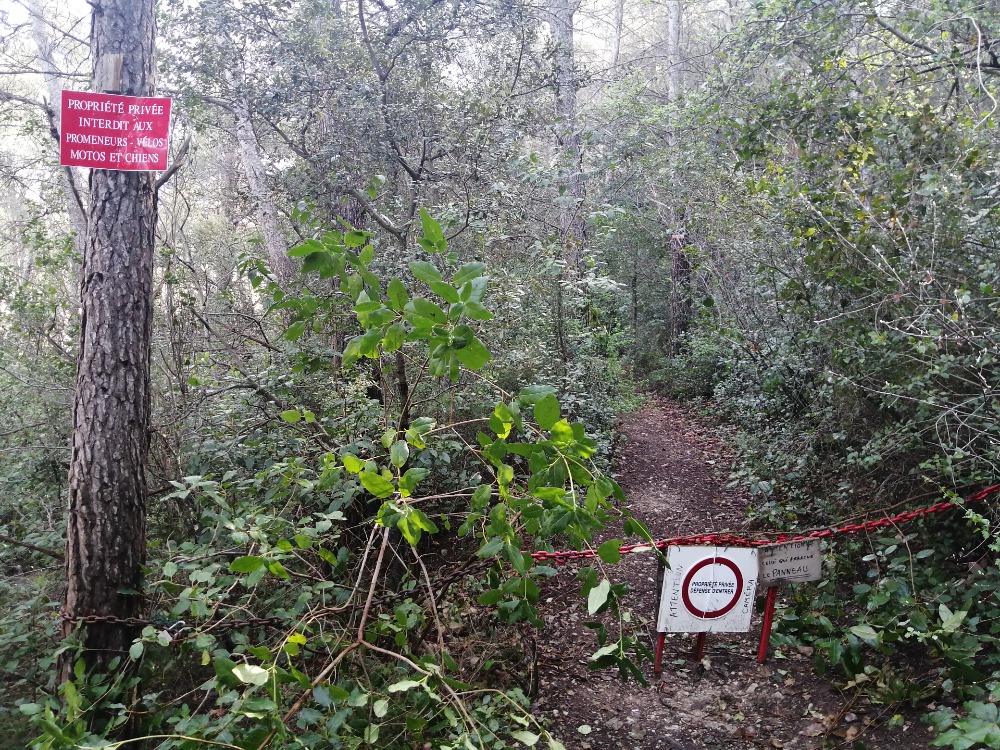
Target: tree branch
{"points": [[904, 38], [179, 160], [29, 545]]}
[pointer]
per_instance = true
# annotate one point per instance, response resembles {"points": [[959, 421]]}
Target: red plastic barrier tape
{"points": [[730, 540]]}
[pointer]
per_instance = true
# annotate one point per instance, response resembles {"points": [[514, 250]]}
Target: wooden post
{"points": [[108, 74]]}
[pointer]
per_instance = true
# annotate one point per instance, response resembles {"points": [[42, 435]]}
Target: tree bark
{"points": [[616, 39], [571, 220], [675, 72], [680, 292], [680, 263], [264, 207], [106, 529], [54, 85]]}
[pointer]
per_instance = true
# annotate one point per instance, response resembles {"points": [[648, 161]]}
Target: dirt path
{"points": [[672, 468]]}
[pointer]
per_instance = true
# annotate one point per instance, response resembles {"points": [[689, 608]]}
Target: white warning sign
{"points": [[791, 562], [708, 589]]}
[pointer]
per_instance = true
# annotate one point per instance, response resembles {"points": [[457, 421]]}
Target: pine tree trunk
{"points": [[106, 529]]}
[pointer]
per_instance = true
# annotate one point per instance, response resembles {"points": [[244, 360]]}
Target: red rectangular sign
{"points": [[107, 131]]}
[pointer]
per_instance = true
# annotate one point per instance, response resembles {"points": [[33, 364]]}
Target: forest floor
{"points": [[673, 465]]}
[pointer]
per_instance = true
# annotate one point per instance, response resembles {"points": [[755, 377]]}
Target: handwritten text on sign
{"points": [[791, 562], [107, 131], [707, 589]]}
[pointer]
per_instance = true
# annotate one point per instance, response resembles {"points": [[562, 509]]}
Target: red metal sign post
{"points": [[765, 631], [107, 131]]}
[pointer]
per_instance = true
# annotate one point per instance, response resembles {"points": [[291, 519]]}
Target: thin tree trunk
{"points": [[264, 206], [616, 39], [680, 293], [680, 263], [571, 220], [568, 142], [53, 87], [635, 291], [675, 73], [106, 529]]}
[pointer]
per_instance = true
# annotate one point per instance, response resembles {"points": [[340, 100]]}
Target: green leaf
{"points": [[398, 296], [306, 248], [481, 496], [295, 330], [598, 596], [528, 738], [135, 650], [491, 597], [291, 415], [367, 255], [251, 674], [427, 309], [562, 433], [376, 484], [547, 411], [983, 711], [491, 548], [354, 238], [352, 463], [425, 271], [474, 354], [501, 422], [376, 318], [532, 394], [395, 335], [468, 272], [475, 311], [408, 482], [402, 686], [277, 569], [866, 633], [609, 551], [420, 427], [953, 621], [432, 231], [247, 564], [399, 453], [420, 519], [444, 290], [380, 708]]}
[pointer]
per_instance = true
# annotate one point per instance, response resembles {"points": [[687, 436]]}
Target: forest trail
{"points": [[672, 466]]}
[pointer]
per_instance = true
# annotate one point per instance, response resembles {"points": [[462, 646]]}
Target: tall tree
{"points": [[680, 264], [571, 220], [54, 84], [105, 540]]}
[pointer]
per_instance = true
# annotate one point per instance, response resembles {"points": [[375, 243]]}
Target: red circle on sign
{"points": [[705, 563]]}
